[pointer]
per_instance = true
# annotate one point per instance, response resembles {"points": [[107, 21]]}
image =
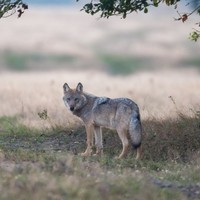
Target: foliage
{"points": [[108, 8], [9, 7], [195, 35]]}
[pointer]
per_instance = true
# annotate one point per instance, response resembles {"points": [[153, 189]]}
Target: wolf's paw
{"points": [[98, 153], [119, 157], [85, 154], [138, 157]]}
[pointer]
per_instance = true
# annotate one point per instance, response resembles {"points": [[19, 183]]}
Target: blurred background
{"points": [[55, 33], [146, 57]]}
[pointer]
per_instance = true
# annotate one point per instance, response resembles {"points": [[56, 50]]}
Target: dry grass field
{"points": [[160, 95], [142, 58]]}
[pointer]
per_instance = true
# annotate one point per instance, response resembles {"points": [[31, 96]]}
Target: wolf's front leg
{"points": [[89, 132], [98, 140]]}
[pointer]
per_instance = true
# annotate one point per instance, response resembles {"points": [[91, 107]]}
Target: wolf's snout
{"points": [[72, 108]]}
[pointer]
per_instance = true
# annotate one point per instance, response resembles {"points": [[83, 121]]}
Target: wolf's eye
{"points": [[68, 99], [76, 99]]}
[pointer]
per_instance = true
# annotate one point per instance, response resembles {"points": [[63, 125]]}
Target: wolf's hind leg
{"points": [[138, 152], [123, 136]]}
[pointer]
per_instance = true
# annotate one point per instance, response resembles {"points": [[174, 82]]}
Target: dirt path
{"points": [[192, 191]]}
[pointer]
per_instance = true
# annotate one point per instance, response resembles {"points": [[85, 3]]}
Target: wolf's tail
{"points": [[135, 130]]}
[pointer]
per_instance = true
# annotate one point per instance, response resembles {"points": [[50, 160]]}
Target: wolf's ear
{"points": [[66, 88], [79, 87]]}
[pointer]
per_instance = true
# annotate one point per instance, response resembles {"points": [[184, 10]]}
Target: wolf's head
{"points": [[74, 99]]}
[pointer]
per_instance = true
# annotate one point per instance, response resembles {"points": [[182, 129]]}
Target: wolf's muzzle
{"points": [[72, 108]]}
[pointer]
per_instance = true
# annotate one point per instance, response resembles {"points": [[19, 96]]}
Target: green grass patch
{"points": [[123, 64], [10, 126], [19, 61], [194, 62], [44, 163]]}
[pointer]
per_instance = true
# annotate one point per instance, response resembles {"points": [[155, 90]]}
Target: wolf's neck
{"points": [[86, 109]]}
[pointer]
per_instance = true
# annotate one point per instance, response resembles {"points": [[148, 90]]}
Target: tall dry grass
{"points": [[160, 95]]}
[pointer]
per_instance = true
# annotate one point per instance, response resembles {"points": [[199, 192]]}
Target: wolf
{"points": [[120, 114]]}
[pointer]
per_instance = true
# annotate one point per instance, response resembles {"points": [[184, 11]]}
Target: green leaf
{"points": [[155, 3], [145, 10], [124, 15], [194, 36]]}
